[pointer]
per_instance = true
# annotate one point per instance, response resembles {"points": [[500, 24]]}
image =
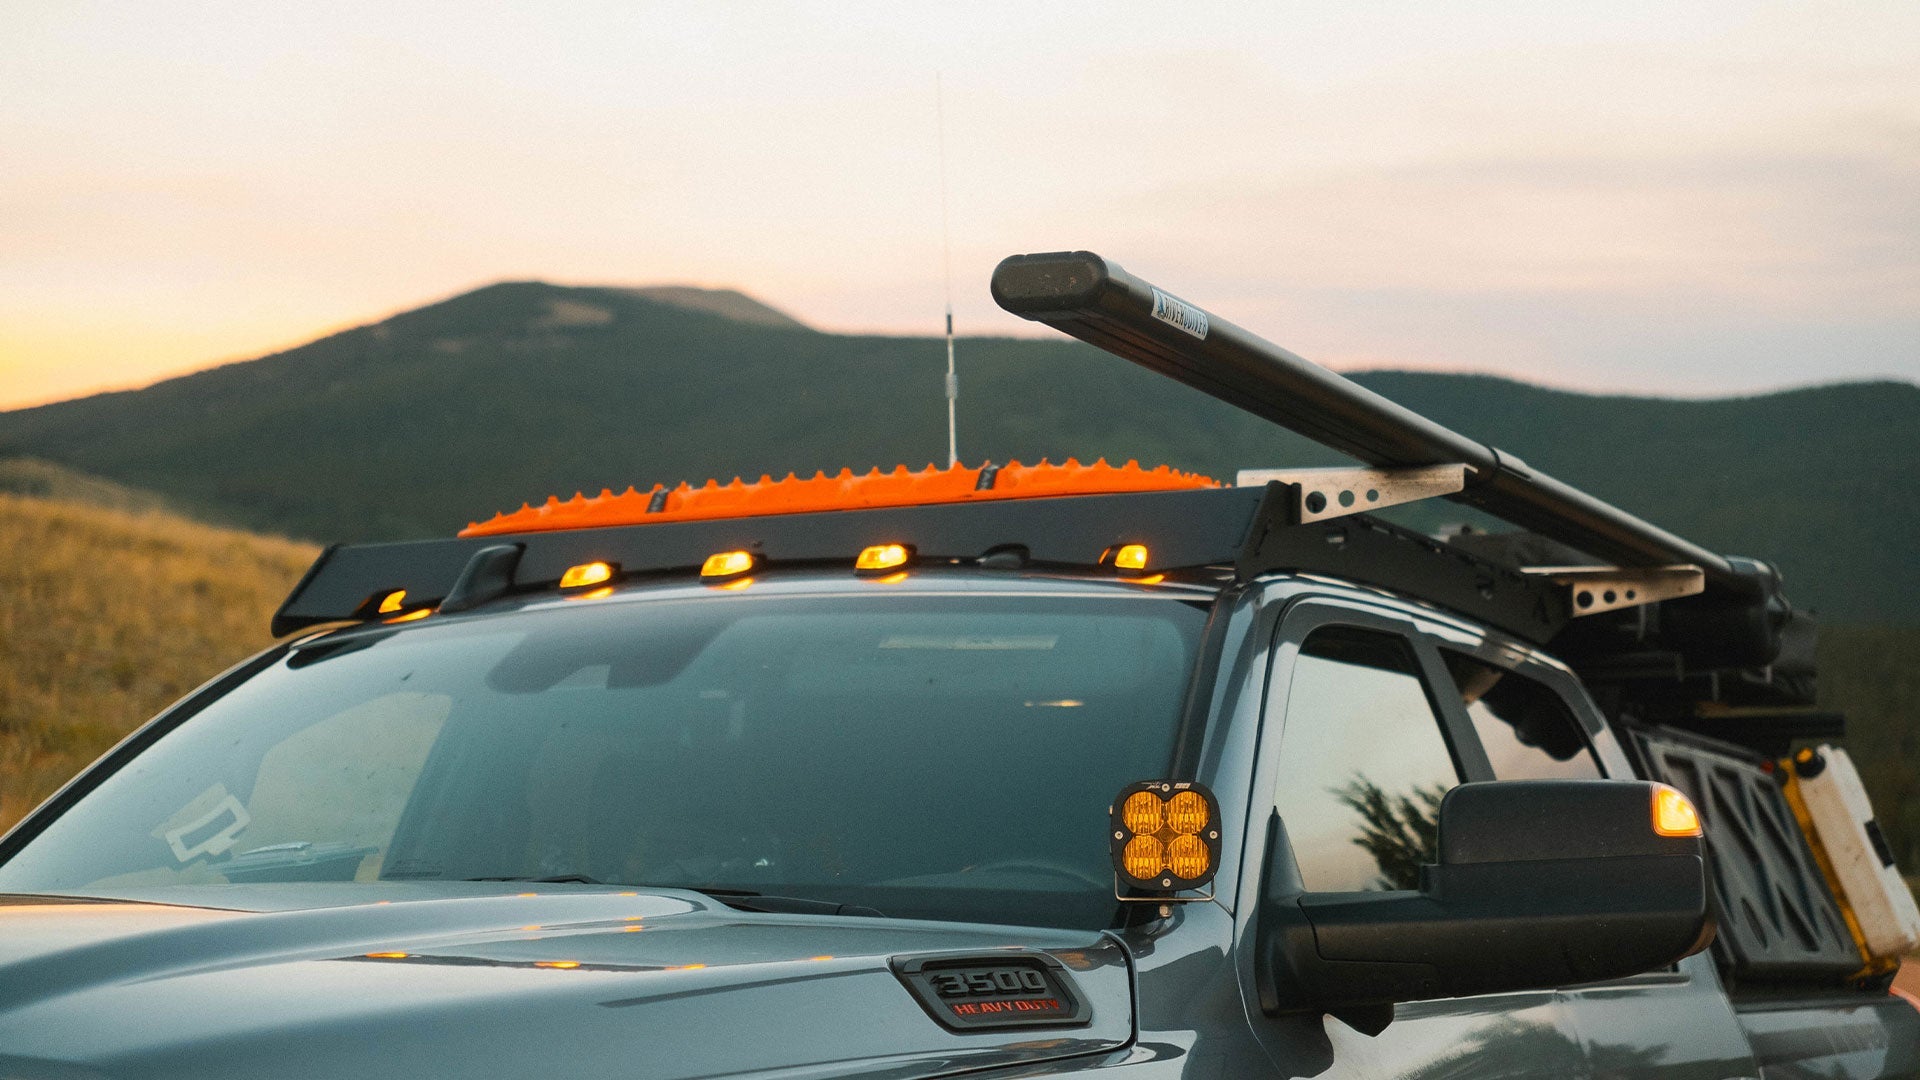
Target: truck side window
{"points": [[1526, 729], [1363, 763]]}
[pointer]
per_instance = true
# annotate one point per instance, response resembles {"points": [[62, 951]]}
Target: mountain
{"points": [[730, 303], [418, 424]]}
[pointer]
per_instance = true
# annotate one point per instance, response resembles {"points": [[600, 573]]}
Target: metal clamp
{"points": [[1597, 589], [1331, 493]]}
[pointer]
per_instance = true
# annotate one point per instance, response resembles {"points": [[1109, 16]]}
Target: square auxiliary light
{"points": [[1164, 836]]}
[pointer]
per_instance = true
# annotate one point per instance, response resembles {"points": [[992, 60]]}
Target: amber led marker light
{"points": [[726, 564], [1131, 557], [881, 558], [593, 573], [1164, 837]]}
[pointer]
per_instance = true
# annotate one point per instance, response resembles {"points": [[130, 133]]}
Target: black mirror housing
{"points": [[1539, 883]]}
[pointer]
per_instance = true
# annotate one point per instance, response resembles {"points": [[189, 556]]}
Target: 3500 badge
{"points": [[993, 980], [971, 992]]}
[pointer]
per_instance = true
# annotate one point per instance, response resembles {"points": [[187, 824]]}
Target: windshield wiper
{"points": [[556, 879], [748, 900], [738, 899]]}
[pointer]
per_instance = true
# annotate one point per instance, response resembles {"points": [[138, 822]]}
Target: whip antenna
{"points": [[946, 260]]}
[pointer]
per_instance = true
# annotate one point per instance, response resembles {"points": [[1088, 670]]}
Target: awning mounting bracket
{"points": [[1597, 589], [1323, 494]]}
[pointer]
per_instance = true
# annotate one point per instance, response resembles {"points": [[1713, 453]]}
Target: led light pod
{"points": [[1128, 557], [726, 564], [881, 558], [1144, 857], [389, 604], [1143, 813], [1164, 837], [585, 574]]}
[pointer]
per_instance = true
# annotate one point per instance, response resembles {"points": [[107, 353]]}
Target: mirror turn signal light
{"points": [[593, 573], [880, 558], [1674, 813], [726, 564], [1125, 557], [1164, 836]]}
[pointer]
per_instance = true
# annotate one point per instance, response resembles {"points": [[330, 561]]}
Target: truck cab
{"points": [[1000, 771]]}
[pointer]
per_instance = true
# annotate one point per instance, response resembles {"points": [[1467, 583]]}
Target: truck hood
{"points": [[565, 981]]}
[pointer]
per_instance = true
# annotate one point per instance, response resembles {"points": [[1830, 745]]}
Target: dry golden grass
{"points": [[107, 616]]}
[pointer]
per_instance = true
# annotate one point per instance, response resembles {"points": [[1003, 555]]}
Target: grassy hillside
{"points": [[1872, 674], [43, 479], [416, 425], [106, 616]]}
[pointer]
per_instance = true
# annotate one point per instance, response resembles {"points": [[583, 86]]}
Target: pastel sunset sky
{"points": [[1692, 199]]}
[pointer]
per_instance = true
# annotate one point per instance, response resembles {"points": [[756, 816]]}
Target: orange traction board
{"points": [[845, 491]]}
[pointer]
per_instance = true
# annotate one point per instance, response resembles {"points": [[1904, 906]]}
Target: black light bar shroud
{"points": [[1184, 528], [1250, 530]]}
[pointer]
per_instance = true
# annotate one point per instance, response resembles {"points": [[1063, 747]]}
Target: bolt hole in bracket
{"points": [[1321, 494], [1596, 589]]}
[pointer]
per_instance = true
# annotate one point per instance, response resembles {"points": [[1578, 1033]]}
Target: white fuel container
{"points": [[1840, 824]]}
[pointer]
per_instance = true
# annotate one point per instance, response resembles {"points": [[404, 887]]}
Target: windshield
{"points": [[929, 755]]}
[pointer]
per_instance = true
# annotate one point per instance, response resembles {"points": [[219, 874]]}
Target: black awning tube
{"points": [[1095, 300]]}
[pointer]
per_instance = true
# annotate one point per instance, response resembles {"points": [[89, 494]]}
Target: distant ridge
{"points": [[441, 415], [45, 480], [727, 303]]}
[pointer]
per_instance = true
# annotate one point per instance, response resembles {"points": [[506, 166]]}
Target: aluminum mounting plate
{"points": [[1337, 492], [1596, 589]]}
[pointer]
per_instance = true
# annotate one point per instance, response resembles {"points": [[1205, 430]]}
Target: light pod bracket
{"points": [[1164, 838]]}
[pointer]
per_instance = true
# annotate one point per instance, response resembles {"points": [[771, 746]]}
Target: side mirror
{"points": [[1540, 883]]}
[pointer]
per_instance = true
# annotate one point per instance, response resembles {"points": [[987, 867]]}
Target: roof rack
{"points": [[1244, 531]]}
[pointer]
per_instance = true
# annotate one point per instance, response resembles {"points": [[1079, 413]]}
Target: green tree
{"points": [[1401, 832]]}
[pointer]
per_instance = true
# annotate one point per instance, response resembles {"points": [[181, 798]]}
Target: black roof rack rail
{"points": [[1093, 299], [1197, 527], [1251, 531]]}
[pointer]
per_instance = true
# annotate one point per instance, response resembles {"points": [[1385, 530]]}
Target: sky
{"points": [[1681, 199]]}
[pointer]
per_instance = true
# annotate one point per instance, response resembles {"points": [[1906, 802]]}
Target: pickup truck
{"points": [[1017, 770]]}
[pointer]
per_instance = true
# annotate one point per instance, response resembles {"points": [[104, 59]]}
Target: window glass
{"points": [[1363, 764], [945, 757], [1527, 730]]}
